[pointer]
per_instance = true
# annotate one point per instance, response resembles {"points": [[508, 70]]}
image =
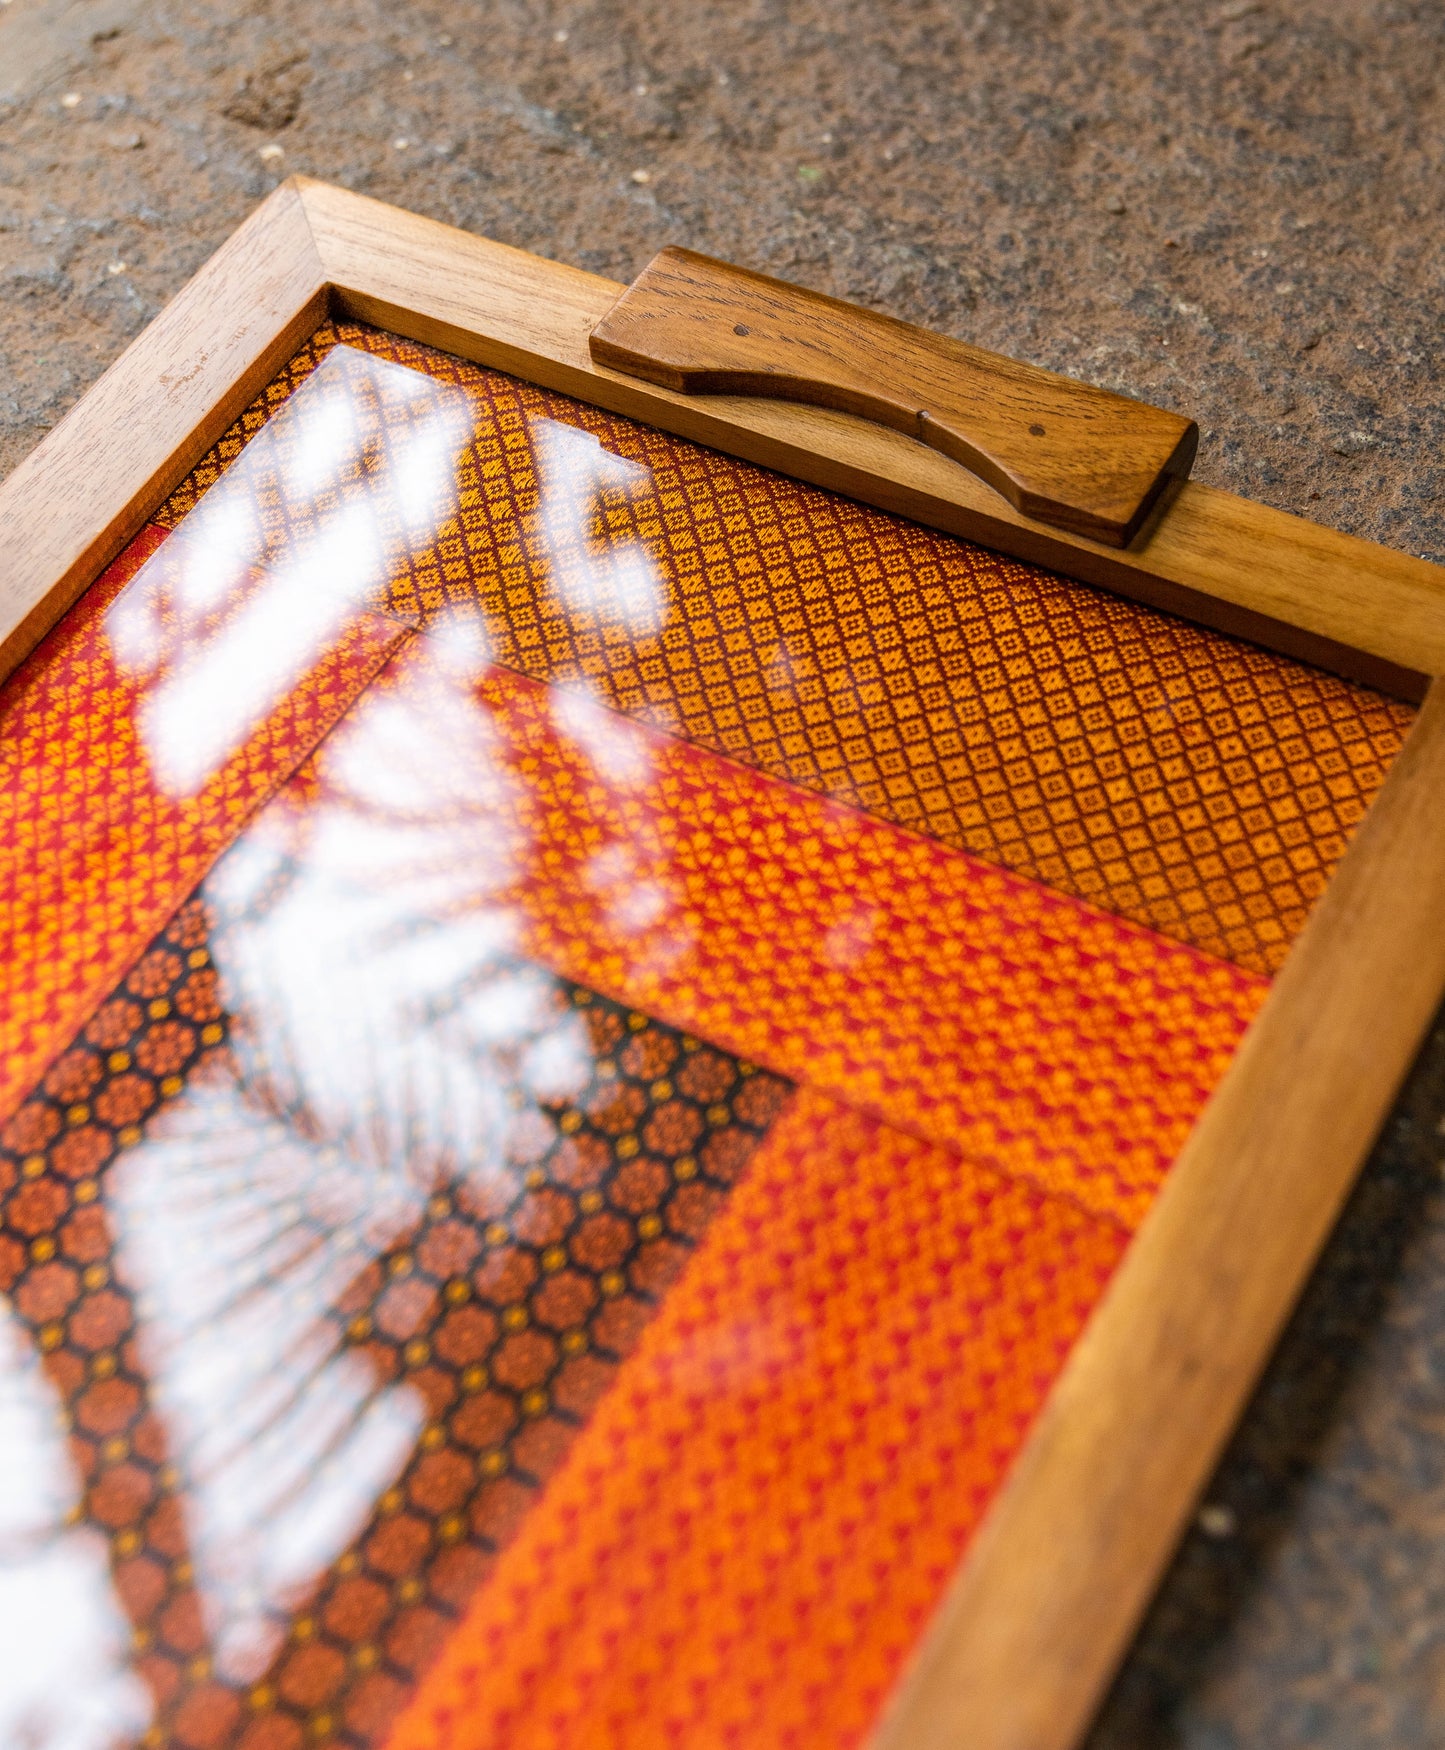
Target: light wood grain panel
{"points": [[1310, 592], [79, 496], [1065, 1564]]}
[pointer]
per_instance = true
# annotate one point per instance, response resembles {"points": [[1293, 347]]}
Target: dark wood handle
{"points": [[1063, 452]]}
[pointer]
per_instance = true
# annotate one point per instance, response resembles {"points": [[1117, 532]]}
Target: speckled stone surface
{"points": [[1234, 209]]}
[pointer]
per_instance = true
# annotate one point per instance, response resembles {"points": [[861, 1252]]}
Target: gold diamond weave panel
{"points": [[1180, 778]]}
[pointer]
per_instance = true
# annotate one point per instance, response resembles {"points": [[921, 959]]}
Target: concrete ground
{"points": [[1234, 209]]}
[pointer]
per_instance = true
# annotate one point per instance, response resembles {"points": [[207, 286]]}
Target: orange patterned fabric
{"points": [[95, 852], [1040, 1037], [505, 1306], [772, 781], [1191, 783], [753, 1529]]}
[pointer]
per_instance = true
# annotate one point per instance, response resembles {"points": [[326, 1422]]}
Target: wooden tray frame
{"points": [[1046, 1601]]}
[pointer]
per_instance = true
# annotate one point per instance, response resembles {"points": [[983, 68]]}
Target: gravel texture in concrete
{"points": [[1234, 209]]}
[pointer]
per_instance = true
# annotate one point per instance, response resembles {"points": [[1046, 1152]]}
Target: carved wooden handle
{"points": [[1063, 452]]}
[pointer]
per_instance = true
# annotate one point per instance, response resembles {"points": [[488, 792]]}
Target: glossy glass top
{"points": [[583, 1026]]}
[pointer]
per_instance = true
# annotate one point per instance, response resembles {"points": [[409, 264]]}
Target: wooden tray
{"points": [[1036, 1620]]}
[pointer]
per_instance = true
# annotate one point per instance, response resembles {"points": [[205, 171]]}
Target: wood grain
{"points": [[1348, 605], [1345, 604], [1062, 452], [79, 496], [1046, 1603]]}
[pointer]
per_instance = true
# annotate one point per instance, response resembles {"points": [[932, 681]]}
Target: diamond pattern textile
{"points": [[1180, 778]]}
